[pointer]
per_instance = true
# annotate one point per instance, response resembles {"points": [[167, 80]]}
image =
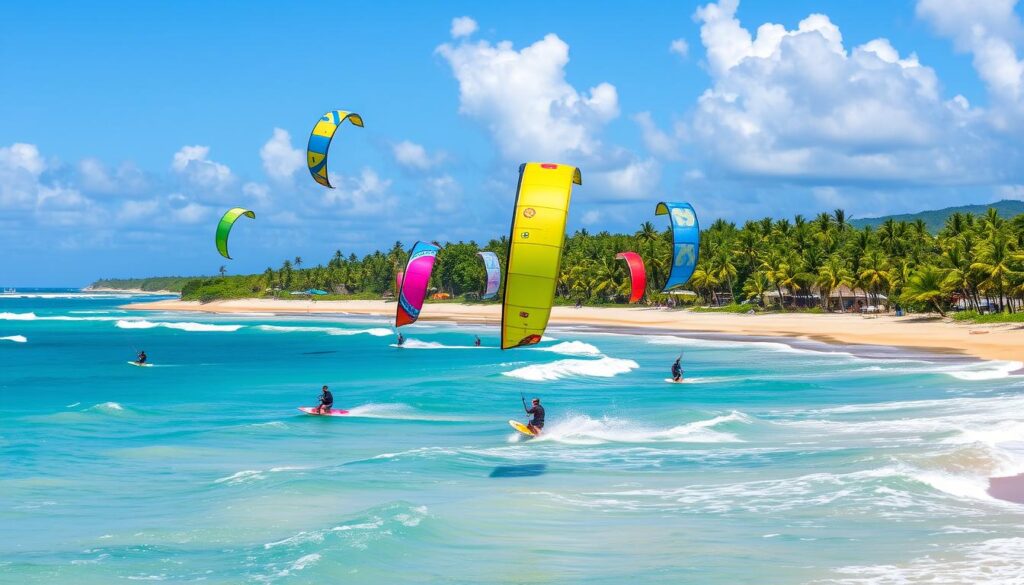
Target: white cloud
{"points": [[522, 98], [191, 213], [21, 156], [131, 210], [590, 217], [990, 31], [679, 47], [280, 159], [447, 193], [20, 168], [657, 142], [366, 194], [191, 162], [637, 180], [463, 26], [258, 192], [414, 156], [797, 104], [95, 176]]}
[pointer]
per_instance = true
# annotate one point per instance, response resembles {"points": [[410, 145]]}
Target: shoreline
{"points": [[1003, 342], [134, 291]]}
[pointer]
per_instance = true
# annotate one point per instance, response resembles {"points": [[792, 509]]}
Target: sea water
{"points": [[775, 464]]}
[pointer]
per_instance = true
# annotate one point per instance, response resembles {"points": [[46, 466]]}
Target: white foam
{"points": [[571, 348], [993, 370], [583, 430], [994, 562], [15, 338], [181, 326], [18, 316], [376, 331], [606, 367], [396, 411], [417, 344]]}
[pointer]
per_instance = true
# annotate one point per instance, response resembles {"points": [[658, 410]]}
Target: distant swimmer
{"points": [[677, 370], [401, 340], [142, 358], [326, 401], [477, 341], [536, 423]]}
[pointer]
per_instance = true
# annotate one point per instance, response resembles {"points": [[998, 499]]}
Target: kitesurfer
{"points": [[326, 401], [401, 340], [537, 412], [142, 357], [677, 370], [476, 342]]}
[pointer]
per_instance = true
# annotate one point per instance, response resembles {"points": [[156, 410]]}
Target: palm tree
{"points": [[756, 286], [927, 285], [298, 262], [831, 276], [995, 265], [874, 273]]}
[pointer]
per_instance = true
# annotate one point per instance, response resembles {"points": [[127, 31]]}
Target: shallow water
{"points": [[774, 465]]}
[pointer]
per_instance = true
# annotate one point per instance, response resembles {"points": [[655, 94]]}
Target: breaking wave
{"points": [[181, 326], [606, 367]]}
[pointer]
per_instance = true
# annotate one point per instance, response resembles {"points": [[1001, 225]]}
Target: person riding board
{"points": [[326, 401], [401, 340], [536, 423], [476, 342], [142, 357], [677, 370]]}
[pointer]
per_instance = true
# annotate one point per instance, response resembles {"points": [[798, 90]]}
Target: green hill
{"points": [[936, 218]]}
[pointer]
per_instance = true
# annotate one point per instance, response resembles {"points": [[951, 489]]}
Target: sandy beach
{"points": [[928, 333]]}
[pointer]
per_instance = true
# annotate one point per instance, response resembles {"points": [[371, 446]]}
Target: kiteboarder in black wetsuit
{"points": [[536, 423], [326, 401], [677, 370], [142, 357], [476, 342], [401, 340]]}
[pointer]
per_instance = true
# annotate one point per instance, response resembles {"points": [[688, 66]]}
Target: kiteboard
{"points": [[333, 412], [137, 364], [683, 381], [522, 428]]}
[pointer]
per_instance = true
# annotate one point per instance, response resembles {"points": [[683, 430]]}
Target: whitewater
{"points": [[800, 464]]}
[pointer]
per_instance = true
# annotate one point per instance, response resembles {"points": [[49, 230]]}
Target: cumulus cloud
{"points": [[96, 177], [447, 193], [524, 101], [798, 104], [657, 142], [193, 164], [679, 47], [989, 31], [20, 168], [365, 194], [280, 158], [414, 156], [463, 26], [637, 180]]}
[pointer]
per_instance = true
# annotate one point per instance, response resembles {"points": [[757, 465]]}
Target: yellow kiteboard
{"points": [[522, 428]]}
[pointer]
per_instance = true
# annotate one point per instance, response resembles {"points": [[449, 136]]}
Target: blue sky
{"points": [[127, 129]]}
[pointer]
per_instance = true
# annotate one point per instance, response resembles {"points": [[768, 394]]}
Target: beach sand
{"points": [[990, 342]]}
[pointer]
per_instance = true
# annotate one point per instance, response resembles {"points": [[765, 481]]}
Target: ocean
{"points": [[776, 463]]}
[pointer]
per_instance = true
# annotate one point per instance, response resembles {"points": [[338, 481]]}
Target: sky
{"points": [[127, 129]]}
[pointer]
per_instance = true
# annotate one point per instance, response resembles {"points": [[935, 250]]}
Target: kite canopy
{"points": [[414, 283], [637, 274], [535, 250], [686, 241], [493, 273], [224, 228], [320, 140]]}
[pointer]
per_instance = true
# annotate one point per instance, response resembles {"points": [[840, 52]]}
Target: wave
{"points": [[253, 475], [18, 316], [996, 561], [396, 411], [181, 326], [571, 348], [417, 344], [33, 317], [606, 367], [992, 370], [106, 408], [583, 430], [391, 518], [375, 331], [15, 338], [104, 312]]}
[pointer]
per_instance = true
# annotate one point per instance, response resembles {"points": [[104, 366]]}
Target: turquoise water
{"points": [[776, 465]]}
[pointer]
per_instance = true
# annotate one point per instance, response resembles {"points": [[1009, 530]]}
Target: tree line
{"points": [[976, 261]]}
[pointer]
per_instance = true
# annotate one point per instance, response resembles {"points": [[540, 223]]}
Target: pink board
{"points": [[312, 410]]}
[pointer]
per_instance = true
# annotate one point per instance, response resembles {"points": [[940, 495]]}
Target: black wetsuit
{"points": [[327, 400], [538, 416], [677, 371], [142, 358]]}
